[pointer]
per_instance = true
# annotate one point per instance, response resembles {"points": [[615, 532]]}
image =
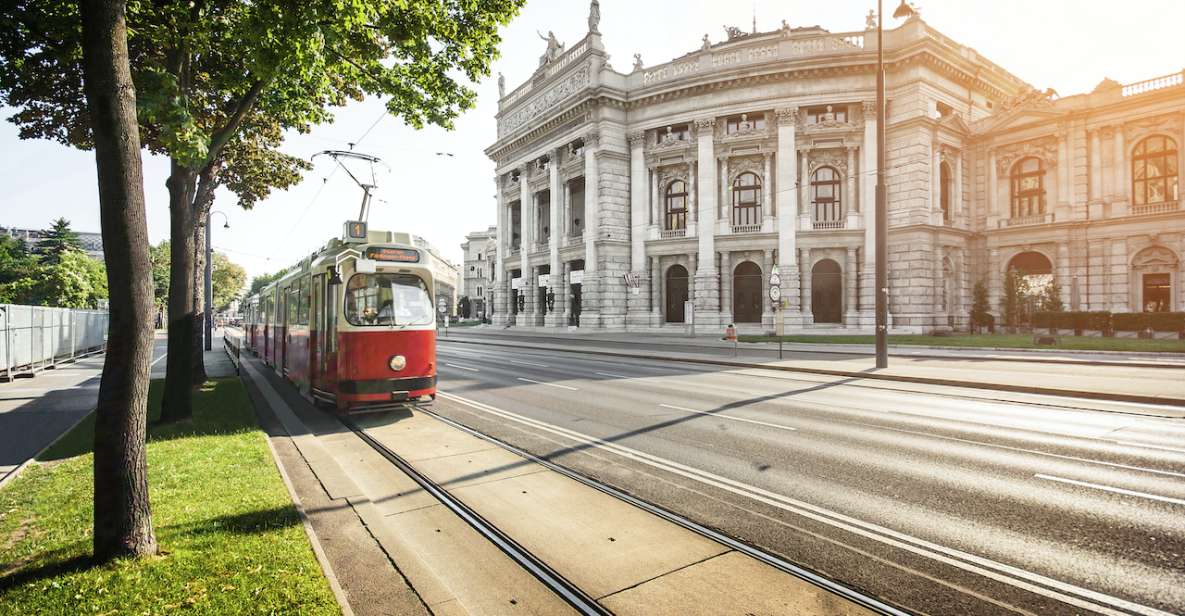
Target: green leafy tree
{"points": [[1013, 298], [262, 280], [16, 263], [980, 307], [228, 279], [75, 281], [56, 241], [1051, 298], [159, 255]]}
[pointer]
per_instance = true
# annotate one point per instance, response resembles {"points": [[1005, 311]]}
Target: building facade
{"points": [[92, 243], [477, 271], [445, 274], [671, 193]]}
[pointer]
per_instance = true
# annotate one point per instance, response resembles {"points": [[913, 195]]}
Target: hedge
{"points": [[1077, 321], [1166, 321]]}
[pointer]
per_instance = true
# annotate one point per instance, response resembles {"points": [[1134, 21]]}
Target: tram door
{"points": [[317, 332]]}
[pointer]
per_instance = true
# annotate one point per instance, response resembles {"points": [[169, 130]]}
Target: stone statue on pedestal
{"points": [[501, 86], [594, 17]]}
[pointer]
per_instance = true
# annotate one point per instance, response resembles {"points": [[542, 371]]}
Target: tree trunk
{"points": [[123, 516], [199, 298], [176, 404]]}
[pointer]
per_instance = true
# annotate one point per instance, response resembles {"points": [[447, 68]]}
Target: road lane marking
{"points": [[462, 367], [1065, 592], [548, 384], [1124, 491], [610, 374], [526, 363], [741, 419], [1135, 444]]}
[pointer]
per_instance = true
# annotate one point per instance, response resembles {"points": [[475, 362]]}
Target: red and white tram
{"points": [[353, 325]]}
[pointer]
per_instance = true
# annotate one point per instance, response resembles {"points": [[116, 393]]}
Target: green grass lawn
{"points": [[1018, 341], [231, 540]]}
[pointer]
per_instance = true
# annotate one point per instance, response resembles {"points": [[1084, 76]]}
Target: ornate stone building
{"points": [[622, 197], [480, 250]]}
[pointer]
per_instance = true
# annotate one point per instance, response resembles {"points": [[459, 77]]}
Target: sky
{"points": [[1069, 45]]}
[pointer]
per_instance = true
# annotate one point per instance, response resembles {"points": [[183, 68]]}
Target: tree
{"points": [[262, 280], [122, 516], [1051, 298], [15, 260], [228, 279], [464, 307], [980, 317], [75, 281], [159, 255], [56, 240], [1013, 299]]}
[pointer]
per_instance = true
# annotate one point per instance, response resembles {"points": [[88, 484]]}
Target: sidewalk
{"points": [[1099, 381]]}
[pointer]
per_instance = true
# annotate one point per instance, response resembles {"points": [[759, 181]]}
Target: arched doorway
{"points": [[1152, 282], [1031, 263], [676, 293], [827, 292], [746, 293]]}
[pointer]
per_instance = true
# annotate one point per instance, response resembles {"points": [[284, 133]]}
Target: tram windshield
{"points": [[388, 299]]}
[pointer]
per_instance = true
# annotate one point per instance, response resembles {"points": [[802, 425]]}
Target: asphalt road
{"points": [[939, 500]]}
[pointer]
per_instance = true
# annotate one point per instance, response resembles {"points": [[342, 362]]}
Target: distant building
{"points": [[92, 243], [479, 248], [444, 272]]}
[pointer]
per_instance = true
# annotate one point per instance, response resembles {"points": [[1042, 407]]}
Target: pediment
{"points": [[1018, 118], [956, 123]]}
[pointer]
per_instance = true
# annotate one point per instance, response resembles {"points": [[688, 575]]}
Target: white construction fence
{"points": [[34, 338]]}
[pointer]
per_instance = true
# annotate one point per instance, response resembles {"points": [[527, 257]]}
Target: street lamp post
{"points": [[209, 290], [882, 213]]}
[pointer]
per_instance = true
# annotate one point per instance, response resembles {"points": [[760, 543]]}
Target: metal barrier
{"points": [[34, 338], [233, 347]]}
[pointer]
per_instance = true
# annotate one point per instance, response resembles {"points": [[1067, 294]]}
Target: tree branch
{"points": [[224, 134]]}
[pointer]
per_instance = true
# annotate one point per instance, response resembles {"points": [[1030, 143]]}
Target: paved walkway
{"points": [[1147, 383]]}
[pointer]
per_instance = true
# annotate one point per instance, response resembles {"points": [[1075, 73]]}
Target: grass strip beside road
{"points": [[232, 542], [1002, 341]]}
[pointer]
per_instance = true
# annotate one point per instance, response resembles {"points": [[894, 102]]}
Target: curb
{"points": [[23, 465], [1021, 389]]}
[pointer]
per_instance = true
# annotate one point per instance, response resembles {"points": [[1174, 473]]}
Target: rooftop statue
{"points": [[637, 62], [594, 16], [870, 20], [734, 32], [554, 48], [707, 44], [501, 86]]}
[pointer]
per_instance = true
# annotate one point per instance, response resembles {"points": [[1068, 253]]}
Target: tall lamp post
{"points": [[882, 211], [209, 337]]}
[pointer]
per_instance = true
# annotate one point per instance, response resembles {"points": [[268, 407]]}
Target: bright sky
{"points": [[1069, 45]]}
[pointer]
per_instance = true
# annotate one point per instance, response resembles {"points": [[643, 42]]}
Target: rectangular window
{"points": [[744, 123]]}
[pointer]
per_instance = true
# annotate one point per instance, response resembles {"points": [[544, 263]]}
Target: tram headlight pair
{"points": [[398, 363]]}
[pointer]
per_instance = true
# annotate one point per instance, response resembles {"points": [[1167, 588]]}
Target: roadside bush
{"points": [[1077, 321], [1130, 321], [1099, 320], [1046, 320], [1167, 321]]}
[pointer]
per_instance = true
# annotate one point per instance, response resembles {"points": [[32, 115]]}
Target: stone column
{"points": [[637, 304], [767, 188], [656, 204], [656, 304], [555, 316], [804, 186], [1062, 273], [957, 193], [1119, 167], [868, 205], [566, 213], [566, 289], [850, 274], [935, 184], [726, 289], [725, 204], [804, 263], [707, 306], [767, 307], [1096, 167], [787, 209], [995, 284], [590, 313], [1064, 198], [692, 202], [526, 234], [502, 234], [993, 190]]}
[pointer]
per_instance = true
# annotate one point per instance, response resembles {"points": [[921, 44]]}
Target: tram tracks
{"points": [[554, 581]]}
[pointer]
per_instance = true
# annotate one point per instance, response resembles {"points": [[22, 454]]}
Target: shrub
{"points": [[1130, 321], [1077, 321], [1099, 320], [1046, 319], [1167, 321]]}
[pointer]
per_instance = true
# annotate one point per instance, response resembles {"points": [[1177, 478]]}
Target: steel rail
{"points": [[871, 603], [555, 582]]}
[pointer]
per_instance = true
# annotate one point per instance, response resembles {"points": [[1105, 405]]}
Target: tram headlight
{"points": [[398, 363]]}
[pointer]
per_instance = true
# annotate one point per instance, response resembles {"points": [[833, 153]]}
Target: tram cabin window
{"points": [[388, 299]]}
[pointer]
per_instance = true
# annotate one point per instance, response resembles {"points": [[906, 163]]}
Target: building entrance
{"points": [[746, 293], [1157, 297], [676, 294], [827, 292]]}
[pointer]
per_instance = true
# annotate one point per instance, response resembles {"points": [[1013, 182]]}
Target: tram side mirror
{"points": [[334, 276]]}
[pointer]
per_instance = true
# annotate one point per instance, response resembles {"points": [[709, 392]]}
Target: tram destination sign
{"points": [[398, 255]]}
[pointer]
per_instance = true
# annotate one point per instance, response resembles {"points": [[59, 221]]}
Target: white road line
{"points": [[610, 374], [730, 417], [548, 384], [1135, 444], [1065, 592], [1085, 484], [157, 360], [462, 367], [526, 363]]}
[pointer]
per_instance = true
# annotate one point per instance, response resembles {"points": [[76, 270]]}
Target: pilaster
{"points": [[707, 306], [637, 302], [555, 315], [590, 312]]}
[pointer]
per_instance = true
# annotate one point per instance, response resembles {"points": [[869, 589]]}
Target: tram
{"points": [[352, 325]]}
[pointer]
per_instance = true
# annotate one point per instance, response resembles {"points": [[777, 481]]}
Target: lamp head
{"points": [[903, 10], [226, 225]]}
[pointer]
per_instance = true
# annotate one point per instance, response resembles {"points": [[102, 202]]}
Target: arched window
{"points": [[746, 199], [675, 207], [1154, 171], [946, 190], [1028, 188], [826, 206]]}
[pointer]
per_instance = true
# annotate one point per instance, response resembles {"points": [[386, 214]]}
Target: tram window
{"points": [[388, 299]]}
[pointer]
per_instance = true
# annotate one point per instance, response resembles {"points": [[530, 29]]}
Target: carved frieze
{"points": [[635, 137], [1044, 148], [838, 159], [746, 164], [786, 116], [1169, 123], [1155, 259], [705, 125], [545, 101]]}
